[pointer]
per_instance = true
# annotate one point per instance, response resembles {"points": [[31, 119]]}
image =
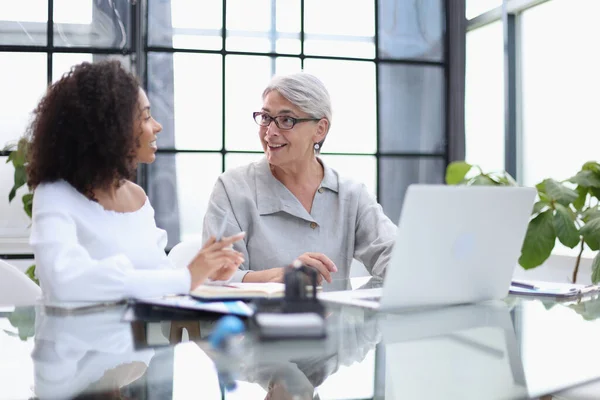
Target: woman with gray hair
{"points": [[290, 203]]}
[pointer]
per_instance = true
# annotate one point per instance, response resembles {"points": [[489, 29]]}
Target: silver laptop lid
{"points": [[456, 244]]}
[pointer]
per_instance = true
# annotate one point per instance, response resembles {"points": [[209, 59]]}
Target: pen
{"points": [[523, 285]]}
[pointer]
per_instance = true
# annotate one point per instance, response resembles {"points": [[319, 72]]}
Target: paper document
{"points": [[189, 303], [552, 289]]}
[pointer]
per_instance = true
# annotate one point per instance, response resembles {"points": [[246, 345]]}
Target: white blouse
{"points": [[86, 253]]}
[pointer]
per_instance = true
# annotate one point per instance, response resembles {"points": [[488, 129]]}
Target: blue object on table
{"points": [[225, 329]]}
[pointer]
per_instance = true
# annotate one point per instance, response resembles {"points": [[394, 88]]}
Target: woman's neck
{"points": [[309, 172], [107, 193]]}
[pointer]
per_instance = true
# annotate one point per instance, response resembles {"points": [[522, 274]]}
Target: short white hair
{"points": [[305, 91]]}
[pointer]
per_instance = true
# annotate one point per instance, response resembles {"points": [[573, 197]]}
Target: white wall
{"points": [[558, 268]]}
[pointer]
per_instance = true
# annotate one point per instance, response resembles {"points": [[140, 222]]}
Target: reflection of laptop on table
{"points": [[469, 351], [455, 244]]}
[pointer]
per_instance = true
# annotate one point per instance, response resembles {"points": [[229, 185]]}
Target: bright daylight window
{"points": [[561, 123], [484, 98], [386, 76]]}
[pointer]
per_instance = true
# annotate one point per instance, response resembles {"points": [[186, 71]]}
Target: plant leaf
{"points": [[482, 180], [31, 274], [457, 171], [20, 178], [559, 192], [581, 197], [590, 214], [541, 187], [538, 207], [591, 233], [591, 166], [28, 203], [544, 197], [596, 269], [586, 178], [503, 179], [595, 192], [539, 240], [564, 223]]}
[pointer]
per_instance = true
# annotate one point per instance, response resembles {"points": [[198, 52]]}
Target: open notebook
{"points": [[239, 291]]}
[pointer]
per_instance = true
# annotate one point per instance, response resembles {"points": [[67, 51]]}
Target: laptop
{"points": [[455, 245]]}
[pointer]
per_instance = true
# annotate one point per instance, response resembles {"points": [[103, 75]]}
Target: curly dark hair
{"points": [[82, 130]]}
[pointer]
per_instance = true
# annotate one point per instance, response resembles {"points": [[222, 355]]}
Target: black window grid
{"points": [[139, 48]]}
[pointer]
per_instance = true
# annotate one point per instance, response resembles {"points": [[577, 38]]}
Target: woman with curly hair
{"points": [[93, 234]]}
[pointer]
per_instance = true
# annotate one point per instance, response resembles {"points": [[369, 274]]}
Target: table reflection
{"points": [[86, 356], [340, 367]]}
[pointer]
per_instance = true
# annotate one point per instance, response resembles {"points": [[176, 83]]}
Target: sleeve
{"points": [[375, 235], [67, 272], [218, 206]]}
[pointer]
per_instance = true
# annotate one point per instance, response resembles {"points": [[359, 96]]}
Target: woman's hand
{"points": [[321, 263], [216, 260], [318, 261]]}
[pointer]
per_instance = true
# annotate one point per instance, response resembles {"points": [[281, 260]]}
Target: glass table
{"points": [[512, 349]]}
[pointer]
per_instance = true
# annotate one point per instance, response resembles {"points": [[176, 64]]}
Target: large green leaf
{"points": [[582, 193], [564, 223], [591, 166], [586, 178], [591, 233], [28, 203], [539, 240], [456, 172], [596, 269], [20, 180], [559, 192], [590, 214], [541, 188], [538, 207]]}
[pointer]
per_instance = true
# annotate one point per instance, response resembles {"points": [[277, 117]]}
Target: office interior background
{"points": [[415, 84]]}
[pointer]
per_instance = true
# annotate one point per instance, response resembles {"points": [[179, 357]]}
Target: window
{"points": [[561, 89], [476, 7], [31, 59], [211, 84], [205, 63], [484, 97]]}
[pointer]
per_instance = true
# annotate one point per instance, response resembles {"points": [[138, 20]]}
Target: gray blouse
{"points": [[345, 221]]}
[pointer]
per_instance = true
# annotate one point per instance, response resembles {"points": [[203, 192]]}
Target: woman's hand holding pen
{"points": [[216, 260]]}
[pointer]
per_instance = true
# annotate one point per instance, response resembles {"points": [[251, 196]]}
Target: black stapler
{"points": [[299, 315]]}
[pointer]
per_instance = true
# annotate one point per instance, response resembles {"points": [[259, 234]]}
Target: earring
{"points": [[317, 146]]}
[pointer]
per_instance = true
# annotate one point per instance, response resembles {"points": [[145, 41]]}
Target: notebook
{"points": [[239, 291]]}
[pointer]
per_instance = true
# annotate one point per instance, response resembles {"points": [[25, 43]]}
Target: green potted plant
{"points": [[565, 210], [18, 158]]}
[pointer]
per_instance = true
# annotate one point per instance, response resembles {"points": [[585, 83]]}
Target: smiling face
{"points": [[145, 129], [284, 147]]}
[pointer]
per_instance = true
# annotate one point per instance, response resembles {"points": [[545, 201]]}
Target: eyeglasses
{"points": [[282, 121]]}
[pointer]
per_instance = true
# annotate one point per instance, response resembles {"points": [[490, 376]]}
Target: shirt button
{"points": [[321, 190], [313, 225]]}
